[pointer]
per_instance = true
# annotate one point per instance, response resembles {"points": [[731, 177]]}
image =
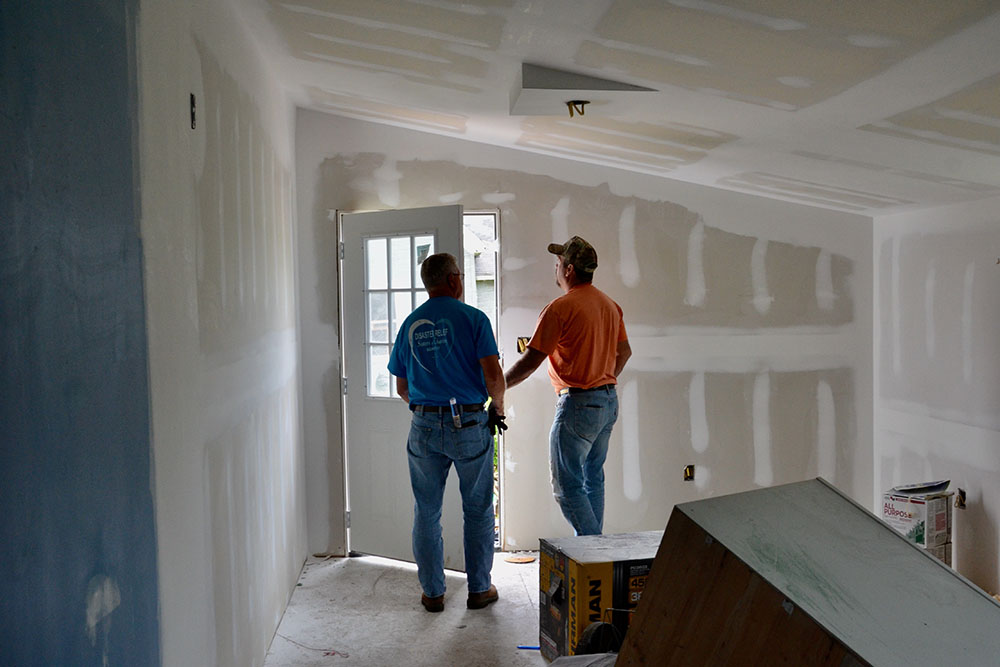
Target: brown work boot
{"points": [[432, 605], [480, 600]]}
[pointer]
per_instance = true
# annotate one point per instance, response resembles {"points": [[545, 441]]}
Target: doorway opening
{"points": [[481, 241]]}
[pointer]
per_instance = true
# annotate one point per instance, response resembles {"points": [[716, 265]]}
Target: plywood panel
{"points": [[800, 574], [709, 608]]}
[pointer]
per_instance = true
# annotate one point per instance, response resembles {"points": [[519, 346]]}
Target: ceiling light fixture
{"points": [[540, 90], [577, 106]]}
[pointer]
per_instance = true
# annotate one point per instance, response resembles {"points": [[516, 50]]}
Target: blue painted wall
{"points": [[76, 502]]}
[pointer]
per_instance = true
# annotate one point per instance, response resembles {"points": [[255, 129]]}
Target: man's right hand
{"points": [[495, 424]]}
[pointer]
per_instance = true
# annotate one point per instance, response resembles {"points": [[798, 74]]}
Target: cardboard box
{"points": [[587, 579], [920, 512], [942, 553]]}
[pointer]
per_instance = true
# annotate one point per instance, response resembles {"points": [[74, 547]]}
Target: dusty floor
{"points": [[366, 611]]}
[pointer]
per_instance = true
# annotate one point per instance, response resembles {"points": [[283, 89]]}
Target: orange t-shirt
{"points": [[580, 332]]}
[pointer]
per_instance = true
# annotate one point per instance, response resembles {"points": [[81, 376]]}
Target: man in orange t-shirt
{"points": [[583, 335]]}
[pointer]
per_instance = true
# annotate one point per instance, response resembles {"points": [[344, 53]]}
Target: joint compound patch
{"points": [[103, 597]]}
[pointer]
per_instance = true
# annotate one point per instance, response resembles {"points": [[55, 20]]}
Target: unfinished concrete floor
{"points": [[366, 611]]}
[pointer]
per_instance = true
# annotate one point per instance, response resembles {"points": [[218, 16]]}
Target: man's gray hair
{"points": [[435, 270]]}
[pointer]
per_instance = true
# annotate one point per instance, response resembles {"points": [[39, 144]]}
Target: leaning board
{"points": [[800, 574]]}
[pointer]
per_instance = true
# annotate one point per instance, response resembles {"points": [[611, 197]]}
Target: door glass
{"points": [[378, 374], [377, 277], [394, 289], [400, 254], [400, 309], [423, 247], [378, 317]]}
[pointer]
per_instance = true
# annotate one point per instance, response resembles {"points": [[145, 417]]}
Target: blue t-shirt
{"points": [[438, 349]]}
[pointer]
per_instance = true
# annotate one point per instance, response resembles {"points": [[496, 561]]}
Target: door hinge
{"points": [[342, 250], [347, 519], [343, 386]]}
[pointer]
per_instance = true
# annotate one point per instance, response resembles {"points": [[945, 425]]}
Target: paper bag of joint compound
{"points": [[920, 512]]}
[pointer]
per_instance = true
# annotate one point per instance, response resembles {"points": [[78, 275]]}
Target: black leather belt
{"points": [[577, 390], [437, 409]]}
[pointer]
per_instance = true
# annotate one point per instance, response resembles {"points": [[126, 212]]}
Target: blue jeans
{"points": [[578, 445], [434, 444]]}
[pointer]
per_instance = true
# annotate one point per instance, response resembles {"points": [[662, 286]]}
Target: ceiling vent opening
{"points": [[544, 91]]}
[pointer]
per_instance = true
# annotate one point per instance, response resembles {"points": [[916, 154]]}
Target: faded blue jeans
{"points": [[578, 446], [434, 444]]}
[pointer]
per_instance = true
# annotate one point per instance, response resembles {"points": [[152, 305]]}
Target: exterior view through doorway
{"points": [[482, 290]]}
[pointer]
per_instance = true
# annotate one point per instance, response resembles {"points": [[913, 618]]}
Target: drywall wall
{"points": [[938, 369], [750, 321], [217, 202], [78, 540]]}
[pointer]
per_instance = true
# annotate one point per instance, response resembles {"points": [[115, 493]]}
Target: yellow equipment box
{"points": [[588, 579]]}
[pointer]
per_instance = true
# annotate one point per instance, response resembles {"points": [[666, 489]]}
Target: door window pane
{"points": [[378, 374], [394, 289], [377, 277], [399, 253], [378, 317], [423, 247], [400, 309]]}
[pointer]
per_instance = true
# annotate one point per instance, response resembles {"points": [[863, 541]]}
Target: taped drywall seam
{"points": [[703, 477], [897, 355], [698, 416], [560, 221], [763, 471], [826, 432], [929, 285], [628, 261], [497, 198], [631, 464], [387, 179], [824, 281], [451, 198], [758, 273], [970, 270], [695, 292]]}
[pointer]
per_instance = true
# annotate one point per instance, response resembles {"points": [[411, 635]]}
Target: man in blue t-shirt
{"points": [[446, 364]]}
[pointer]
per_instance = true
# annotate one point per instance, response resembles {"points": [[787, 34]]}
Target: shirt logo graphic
{"points": [[430, 340]]}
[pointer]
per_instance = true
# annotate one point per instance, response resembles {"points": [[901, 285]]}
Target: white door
{"points": [[380, 286]]}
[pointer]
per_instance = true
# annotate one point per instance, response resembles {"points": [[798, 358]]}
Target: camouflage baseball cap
{"points": [[577, 252]]}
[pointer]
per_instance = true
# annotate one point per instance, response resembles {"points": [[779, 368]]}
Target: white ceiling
{"points": [[867, 106]]}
